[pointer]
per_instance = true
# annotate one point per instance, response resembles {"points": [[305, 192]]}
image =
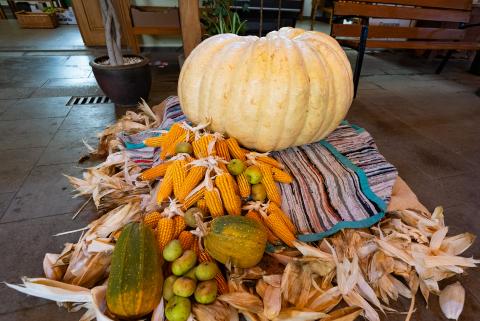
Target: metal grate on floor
{"points": [[88, 100]]}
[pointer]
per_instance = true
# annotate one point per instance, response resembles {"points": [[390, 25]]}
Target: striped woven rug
{"points": [[340, 182]]}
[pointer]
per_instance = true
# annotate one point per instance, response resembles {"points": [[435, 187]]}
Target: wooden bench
{"points": [[361, 36]]}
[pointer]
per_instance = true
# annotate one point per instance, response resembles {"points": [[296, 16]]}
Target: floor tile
{"points": [[14, 93], [45, 192], [16, 165], [44, 312], [27, 133], [30, 240], [5, 199], [90, 116], [69, 91], [67, 145], [29, 108]]}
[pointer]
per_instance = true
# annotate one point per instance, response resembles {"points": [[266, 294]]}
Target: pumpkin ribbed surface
{"points": [[289, 88], [239, 239], [135, 283]]}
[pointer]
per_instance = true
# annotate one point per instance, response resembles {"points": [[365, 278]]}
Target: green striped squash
{"points": [[135, 284]]}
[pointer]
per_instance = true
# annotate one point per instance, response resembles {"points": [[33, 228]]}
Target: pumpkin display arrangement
{"points": [[200, 235]]}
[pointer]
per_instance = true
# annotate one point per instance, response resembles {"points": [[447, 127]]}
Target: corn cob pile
{"points": [[203, 170]]}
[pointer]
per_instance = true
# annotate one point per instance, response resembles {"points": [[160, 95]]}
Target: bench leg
{"points": [[444, 62], [361, 52]]}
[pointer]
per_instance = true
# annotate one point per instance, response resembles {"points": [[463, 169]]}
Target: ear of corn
{"points": [[272, 239], [235, 150], [186, 239], [193, 199], [274, 209], [170, 149], [281, 176], [193, 178], [221, 148], [202, 205], [175, 131], [270, 161], [271, 188], [179, 173], [200, 146], [155, 172], [166, 186], [278, 227], [180, 225], [214, 202], [156, 141], [243, 185], [151, 219], [230, 199], [196, 246], [165, 232]]}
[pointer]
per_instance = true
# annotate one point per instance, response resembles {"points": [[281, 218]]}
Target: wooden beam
{"points": [[190, 25], [381, 11], [454, 45], [446, 4]]}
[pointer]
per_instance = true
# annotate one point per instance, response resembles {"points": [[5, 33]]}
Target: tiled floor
{"points": [[424, 124]]}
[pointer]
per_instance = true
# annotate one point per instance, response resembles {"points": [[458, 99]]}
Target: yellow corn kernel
{"points": [[200, 146], [278, 227], [243, 185], [165, 232], [151, 219], [196, 246], [186, 239], [156, 141], [281, 176], [193, 178], [202, 205], [230, 199], [221, 148], [155, 172], [193, 199], [214, 202], [257, 217], [179, 173], [235, 150], [270, 161], [274, 209], [166, 186], [180, 225], [271, 188]]}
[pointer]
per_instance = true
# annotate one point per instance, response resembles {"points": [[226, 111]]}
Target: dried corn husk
{"points": [[243, 301], [345, 314], [452, 300]]}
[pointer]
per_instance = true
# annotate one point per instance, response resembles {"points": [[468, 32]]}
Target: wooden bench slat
{"points": [[446, 4], [440, 45], [157, 31], [382, 11], [353, 30]]}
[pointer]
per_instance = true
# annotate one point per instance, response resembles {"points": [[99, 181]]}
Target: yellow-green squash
{"points": [[135, 283], [236, 238]]}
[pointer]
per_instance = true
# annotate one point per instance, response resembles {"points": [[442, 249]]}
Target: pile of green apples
{"points": [[189, 281], [254, 177]]}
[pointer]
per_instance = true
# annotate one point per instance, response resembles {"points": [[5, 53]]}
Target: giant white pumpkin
{"points": [[289, 88]]}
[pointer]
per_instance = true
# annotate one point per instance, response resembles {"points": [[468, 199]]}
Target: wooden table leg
{"points": [[190, 23]]}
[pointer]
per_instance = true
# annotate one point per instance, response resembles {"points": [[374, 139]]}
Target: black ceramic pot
{"points": [[124, 84]]}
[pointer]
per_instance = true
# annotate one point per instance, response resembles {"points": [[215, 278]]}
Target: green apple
{"points": [[190, 214], [253, 174], [235, 167], [184, 263], [206, 292], [184, 147], [173, 250], [258, 192], [184, 286], [178, 309], [168, 287], [206, 271]]}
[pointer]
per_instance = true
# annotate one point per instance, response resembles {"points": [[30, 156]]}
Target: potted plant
{"points": [[125, 79]]}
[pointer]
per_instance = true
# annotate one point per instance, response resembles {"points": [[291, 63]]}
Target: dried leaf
{"points": [[344, 314], [441, 260], [243, 301], [272, 302], [458, 244], [452, 300], [298, 315], [326, 301], [217, 311]]}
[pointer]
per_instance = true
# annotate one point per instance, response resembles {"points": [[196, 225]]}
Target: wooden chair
{"points": [[362, 36], [316, 5]]}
